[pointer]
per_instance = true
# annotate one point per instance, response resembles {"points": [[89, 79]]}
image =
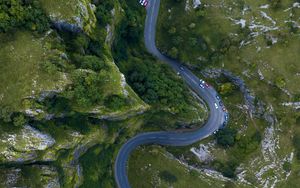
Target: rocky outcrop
{"points": [[237, 81], [18, 177], [78, 17], [22, 145], [66, 26]]}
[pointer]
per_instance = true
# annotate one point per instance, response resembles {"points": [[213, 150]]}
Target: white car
{"points": [[143, 2], [216, 106]]}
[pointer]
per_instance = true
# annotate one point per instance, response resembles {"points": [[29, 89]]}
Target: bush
{"points": [[89, 62], [19, 120], [226, 89], [226, 137], [168, 177], [85, 88], [115, 102]]}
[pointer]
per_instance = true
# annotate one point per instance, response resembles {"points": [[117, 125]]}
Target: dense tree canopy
{"points": [[155, 83], [25, 13]]}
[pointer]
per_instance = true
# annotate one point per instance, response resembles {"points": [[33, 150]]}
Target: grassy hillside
{"points": [[259, 43], [26, 67]]}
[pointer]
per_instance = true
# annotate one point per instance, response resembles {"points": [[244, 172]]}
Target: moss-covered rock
{"points": [[22, 145]]}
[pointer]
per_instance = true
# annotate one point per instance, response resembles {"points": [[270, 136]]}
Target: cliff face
{"points": [[72, 15]]}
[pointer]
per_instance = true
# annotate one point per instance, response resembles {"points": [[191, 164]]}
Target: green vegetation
{"points": [[154, 82], [31, 57], [156, 168], [257, 41], [22, 14], [79, 13]]}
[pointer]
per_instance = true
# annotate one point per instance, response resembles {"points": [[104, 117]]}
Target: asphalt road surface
{"points": [[208, 94]]}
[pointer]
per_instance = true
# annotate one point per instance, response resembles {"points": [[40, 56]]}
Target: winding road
{"points": [[208, 94]]}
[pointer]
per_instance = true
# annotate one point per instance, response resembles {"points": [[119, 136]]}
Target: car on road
{"points": [[223, 125], [207, 85], [216, 106], [226, 117], [144, 2]]}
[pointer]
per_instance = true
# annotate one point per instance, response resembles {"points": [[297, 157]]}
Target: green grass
{"points": [[147, 163], [222, 37], [21, 57]]}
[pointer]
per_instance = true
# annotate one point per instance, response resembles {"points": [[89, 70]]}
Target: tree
{"points": [[226, 137], [173, 52], [28, 14], [115, 102], [226, 89], [172, 30]]}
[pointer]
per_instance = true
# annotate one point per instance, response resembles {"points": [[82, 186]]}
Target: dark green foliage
{"points": [[226, 137], [103, 12], [275, 4], [85, 88], [248, 144], [168, 177], [98, 174], [79, 44], [296, 141], [155, 83], [5, 114], [19, 120], [130, 30], [89, 62], [20, 13], [287, 166], [243, 147], [115, 102]]}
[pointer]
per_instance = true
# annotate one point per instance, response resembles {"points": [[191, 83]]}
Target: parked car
{"points": [[218, 97], [202, 86], [226, 117], [146, 3], [216, 106]]}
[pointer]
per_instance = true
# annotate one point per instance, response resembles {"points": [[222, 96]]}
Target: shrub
{"points": [[226, 137], [168, 176], [115, 102]]}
